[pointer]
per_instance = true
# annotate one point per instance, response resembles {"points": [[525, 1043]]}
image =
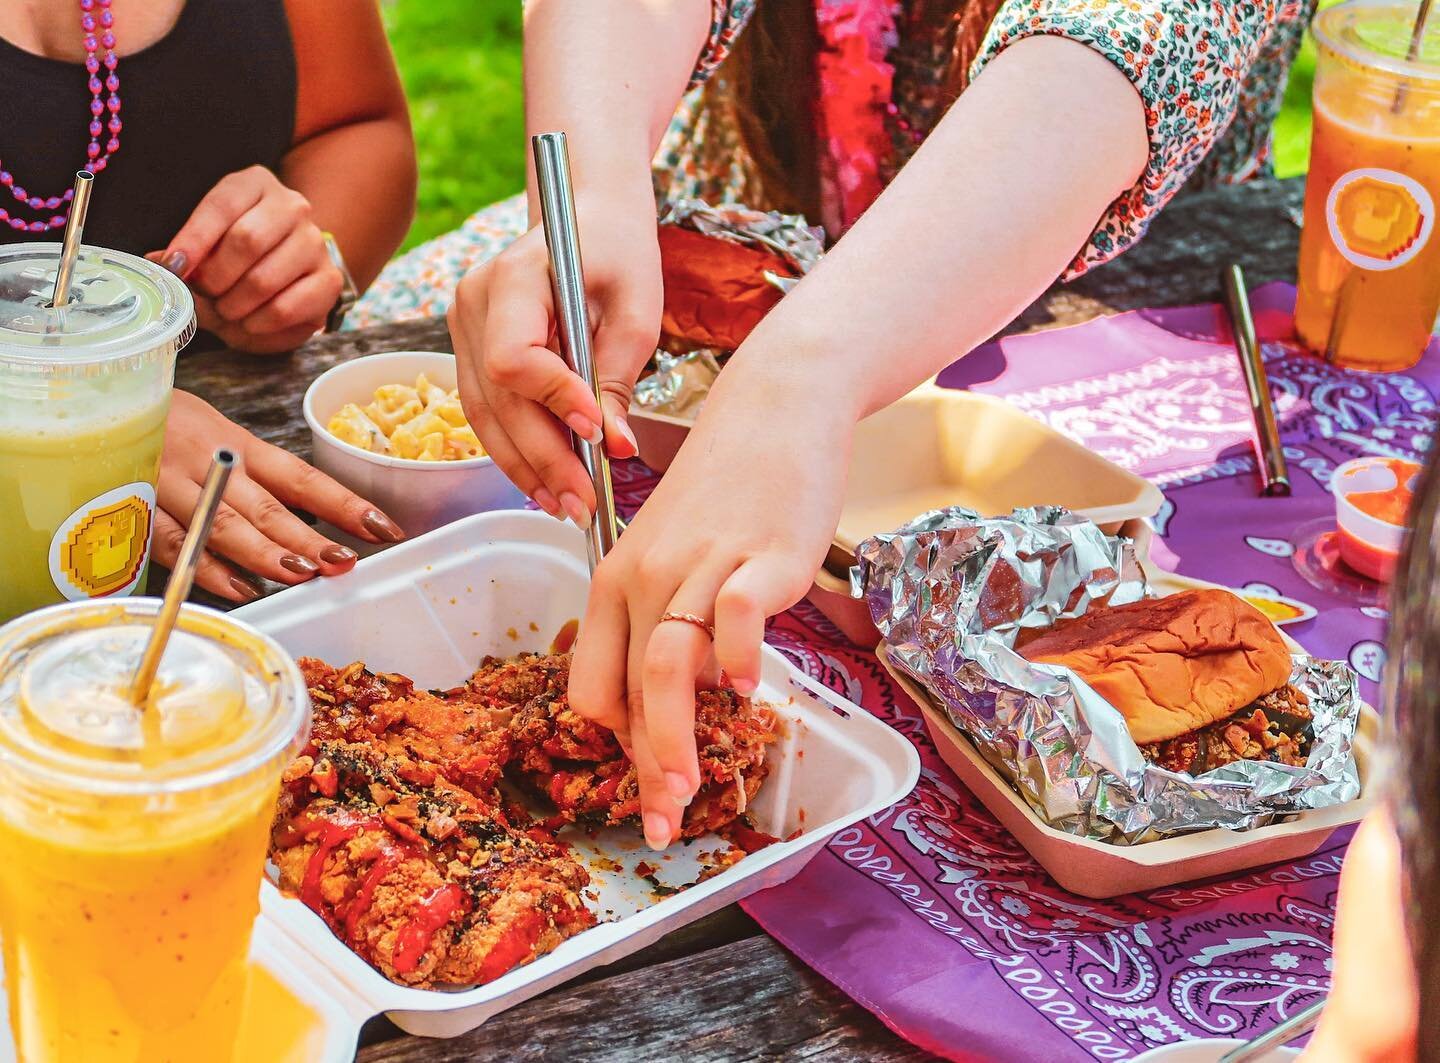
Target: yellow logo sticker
{"points": [[1379, 219], [101, 549]]}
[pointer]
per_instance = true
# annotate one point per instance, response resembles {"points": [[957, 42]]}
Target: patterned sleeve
{"points": [[1187, 58], [727, 19]]}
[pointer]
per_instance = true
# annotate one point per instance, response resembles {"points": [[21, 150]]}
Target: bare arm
{"points": [[354, 156], [609, 75], [982, 219], [979, 223]]}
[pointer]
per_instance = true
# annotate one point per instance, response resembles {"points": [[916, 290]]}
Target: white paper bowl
{"points": [[420, 496]]}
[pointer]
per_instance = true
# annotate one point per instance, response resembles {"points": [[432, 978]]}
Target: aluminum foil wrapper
{"points": [[952, 590], [679, 384], [788, 235]]}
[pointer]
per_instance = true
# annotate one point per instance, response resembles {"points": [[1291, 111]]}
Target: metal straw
{"points": [[74, 229], [182, 576], [562, 238], [1417, 42], [1269, 451], [1295, 1026]]}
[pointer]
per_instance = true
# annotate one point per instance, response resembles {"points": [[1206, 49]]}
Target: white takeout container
{"points": [[501, 583], [420, 496], [1100, 869]]}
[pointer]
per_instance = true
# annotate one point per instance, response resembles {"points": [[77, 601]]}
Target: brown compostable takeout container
{"points": [[1100, 869], [938, 447]]}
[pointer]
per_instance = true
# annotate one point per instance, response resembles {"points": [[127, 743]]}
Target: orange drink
{"points": [[1369, 257], [134, 840]]}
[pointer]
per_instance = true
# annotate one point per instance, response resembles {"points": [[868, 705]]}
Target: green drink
{"points": [[84, 391]]}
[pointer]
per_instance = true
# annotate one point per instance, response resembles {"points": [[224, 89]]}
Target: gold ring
{"points": [[690, 618]]}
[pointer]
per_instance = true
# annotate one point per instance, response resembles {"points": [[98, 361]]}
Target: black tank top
{"points": [[214, 95]]}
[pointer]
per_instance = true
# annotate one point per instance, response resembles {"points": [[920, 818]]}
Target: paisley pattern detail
{"points": [[992, 945]]}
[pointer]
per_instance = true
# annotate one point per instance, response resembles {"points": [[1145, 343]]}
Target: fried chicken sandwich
{"points": [[1202, 678]]}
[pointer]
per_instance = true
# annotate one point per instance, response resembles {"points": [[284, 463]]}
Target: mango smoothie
{"points": [[1369, 274], [135, 839], [84, 391]]}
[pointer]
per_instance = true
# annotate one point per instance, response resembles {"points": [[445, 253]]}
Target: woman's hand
{"points": [[733, 534], [253, 530], [257, 263], [518, 393]]}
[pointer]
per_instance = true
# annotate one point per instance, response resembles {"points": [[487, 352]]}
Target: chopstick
{"points": [[1269, 451], [1295, 1026], [572, 317]]}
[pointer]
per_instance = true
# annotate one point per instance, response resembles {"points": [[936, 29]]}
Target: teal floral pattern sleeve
{"points": [[727, 19], [1210, 73]]}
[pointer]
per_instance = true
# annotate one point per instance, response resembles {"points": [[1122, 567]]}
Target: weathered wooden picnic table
{"points": [[720, 989]]}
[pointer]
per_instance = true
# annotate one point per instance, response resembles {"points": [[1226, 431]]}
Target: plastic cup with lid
{"points": [[84, 391]]}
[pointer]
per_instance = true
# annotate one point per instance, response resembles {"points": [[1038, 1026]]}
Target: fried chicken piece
{"points": [[424, 734], [581, 768], [392, 825]]}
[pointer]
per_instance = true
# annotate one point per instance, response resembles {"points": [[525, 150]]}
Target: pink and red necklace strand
{"points": [[98, 23]]}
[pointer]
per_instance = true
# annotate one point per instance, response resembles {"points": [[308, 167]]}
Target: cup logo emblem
{"points": [[100, 549], [1379, 219]]}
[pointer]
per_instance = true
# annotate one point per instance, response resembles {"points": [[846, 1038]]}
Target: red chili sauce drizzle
{"points": [[413, 939], [515, 945], [436, 911]]}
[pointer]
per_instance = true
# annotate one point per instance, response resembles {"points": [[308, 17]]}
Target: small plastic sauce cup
{"points": [[1372, 500]]}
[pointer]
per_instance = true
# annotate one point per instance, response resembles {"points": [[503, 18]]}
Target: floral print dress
{"points": [[1211, 74]]}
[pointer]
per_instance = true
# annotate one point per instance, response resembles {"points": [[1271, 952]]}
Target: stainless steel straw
{"points": [[1295, 1026], [182, 576], [74, 229], [1269, 451], [1417, 42], [572, 315]]}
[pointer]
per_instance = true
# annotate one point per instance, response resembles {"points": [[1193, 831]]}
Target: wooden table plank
{"points": [[718, 989], [746, 1000]]}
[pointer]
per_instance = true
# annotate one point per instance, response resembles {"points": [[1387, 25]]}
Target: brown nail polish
{"points": [[248, 591], [338, 555], [381, 526], [301, 566]]}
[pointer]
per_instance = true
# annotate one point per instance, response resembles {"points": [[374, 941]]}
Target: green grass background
{"points": [[460, 60]]}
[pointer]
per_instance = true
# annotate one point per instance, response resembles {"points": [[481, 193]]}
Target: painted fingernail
{"points": [[679, 787], [575, 509], [743, 687], [301, 566], [381, 526], [623, 427], [175, 262], [546, 501], [657, 830], [585, 428], [248, 591], [338, 555]]}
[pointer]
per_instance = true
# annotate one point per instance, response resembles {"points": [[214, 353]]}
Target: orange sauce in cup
{"points": [[1393, 505]]}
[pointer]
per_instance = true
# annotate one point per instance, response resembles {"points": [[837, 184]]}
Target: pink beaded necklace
{"points": [[97, 159]]}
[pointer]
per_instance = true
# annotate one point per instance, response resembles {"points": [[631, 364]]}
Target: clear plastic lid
{"points": [[1376, 34], [121, 308]]}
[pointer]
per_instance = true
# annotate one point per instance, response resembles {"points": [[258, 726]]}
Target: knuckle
{"points": [[226, 521], [247, 238], [171, 537], [269, 513], [505, 365], [736, 600]]}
